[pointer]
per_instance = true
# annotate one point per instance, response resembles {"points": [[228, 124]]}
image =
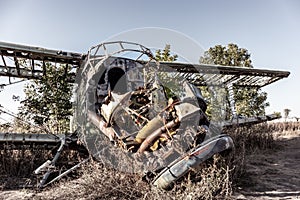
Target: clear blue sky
{"points": [[269, 29]]}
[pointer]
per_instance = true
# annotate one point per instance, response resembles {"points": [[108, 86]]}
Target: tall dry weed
{"points": [[216, 179]]}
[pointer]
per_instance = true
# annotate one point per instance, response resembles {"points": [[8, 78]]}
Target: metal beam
{"points": [[244, 121], [29, 138], [38, 53]]}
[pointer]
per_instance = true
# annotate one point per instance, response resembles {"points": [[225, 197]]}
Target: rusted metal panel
{"points": [[192, 160]]}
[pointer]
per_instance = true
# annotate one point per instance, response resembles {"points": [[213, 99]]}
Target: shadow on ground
{"points": [[273, 173]]}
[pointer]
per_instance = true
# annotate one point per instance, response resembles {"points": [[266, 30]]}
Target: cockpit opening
{"points": [[117, 80]]}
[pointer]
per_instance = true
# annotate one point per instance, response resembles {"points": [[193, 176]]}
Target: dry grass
{"points": [[98, 182], [257, 139], [247, 140], [17, 166], [216, 179]]}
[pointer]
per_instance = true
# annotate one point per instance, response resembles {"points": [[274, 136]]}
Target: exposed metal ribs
{"points": [[215, 75], [29, 62]]}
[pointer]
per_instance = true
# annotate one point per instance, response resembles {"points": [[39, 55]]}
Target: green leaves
{"points": [[248, 101], [48, 100], [231, 55], [165, 54], [170, 84]]}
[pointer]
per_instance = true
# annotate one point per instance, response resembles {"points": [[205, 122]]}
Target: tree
{"points": [[165, 54], [48, 100], [248, 101], [167, 78], [286, 113], [231, 55]]}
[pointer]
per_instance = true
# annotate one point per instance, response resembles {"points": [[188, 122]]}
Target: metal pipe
{"points": [[97, 121], [60, 149], [146, 143], [68, 171]]}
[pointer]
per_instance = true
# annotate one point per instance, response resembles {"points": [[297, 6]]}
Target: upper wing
{"points": [[29, 62], [202, 75]]}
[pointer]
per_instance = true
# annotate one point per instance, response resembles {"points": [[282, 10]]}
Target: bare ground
{"points": [[271, 174], [274, 173]]}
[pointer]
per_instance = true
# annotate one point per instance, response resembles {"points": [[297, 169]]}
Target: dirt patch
{"points": [[16, 194], [274, 173]]}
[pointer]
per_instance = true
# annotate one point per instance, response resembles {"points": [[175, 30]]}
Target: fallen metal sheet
{"points": [[193, 160]]}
